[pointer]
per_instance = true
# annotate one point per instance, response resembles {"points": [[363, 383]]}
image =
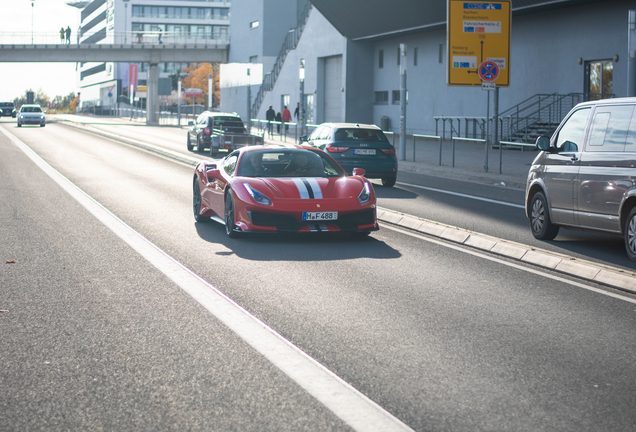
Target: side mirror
{"points": [[358, 172], [211, 171], [543, 143], [190, 123]]}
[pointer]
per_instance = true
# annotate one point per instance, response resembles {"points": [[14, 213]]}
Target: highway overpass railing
{"points": [[129, 38]]}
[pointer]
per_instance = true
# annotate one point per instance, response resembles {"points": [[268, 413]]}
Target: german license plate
{"points": [[364, 151], [320, 216]]}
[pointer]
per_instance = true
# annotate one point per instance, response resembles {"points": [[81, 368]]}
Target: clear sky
{"points": [[15, 24]]}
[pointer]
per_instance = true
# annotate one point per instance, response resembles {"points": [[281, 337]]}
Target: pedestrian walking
{"points": [[279, 119], [159, 37], [68, 35], [270, 116], [286, 118], [297, 111], [62, 35]]}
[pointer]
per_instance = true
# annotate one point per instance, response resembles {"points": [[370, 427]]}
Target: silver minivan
{"points": [[585, 175]]}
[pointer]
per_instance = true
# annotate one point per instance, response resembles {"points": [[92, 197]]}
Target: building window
{"points": [[399, 55], [381, 59], [395, 94], [254, 59], [441, 53], [381, 98], [254, 24], [415, 56]]}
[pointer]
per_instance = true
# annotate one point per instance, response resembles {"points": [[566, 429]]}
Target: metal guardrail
{"points": [[117, 38]]}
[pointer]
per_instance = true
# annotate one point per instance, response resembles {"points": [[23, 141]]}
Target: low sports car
{"points": [[283, 189]]}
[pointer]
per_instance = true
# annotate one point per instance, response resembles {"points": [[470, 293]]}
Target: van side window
{"points": [[570, 137], [609, 128], [630, 143]]}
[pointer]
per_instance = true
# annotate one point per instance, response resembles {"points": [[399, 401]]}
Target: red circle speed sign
{"points": [[488, 71]]}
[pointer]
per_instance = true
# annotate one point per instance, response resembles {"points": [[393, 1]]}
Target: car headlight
{"points": [[365, 195], [256, 195]]}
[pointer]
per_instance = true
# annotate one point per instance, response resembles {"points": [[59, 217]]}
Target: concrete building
{"points": [[350, 50], [143, 22]]}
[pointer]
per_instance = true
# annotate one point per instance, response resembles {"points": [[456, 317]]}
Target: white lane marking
{"points": [[315, 187], [302, 189], [469, 251], [354, 408], [463, 195]]}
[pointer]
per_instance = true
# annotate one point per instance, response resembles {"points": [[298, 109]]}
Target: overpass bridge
{"points": [[142, 47]]}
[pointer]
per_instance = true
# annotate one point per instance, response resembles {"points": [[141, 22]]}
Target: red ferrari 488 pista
{"points": [[283, 189]]}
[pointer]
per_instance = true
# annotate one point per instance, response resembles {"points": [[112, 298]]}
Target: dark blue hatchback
{"points": [[355, 145]]}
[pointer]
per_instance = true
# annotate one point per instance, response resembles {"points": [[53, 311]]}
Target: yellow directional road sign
{"points": [[477, 31]]}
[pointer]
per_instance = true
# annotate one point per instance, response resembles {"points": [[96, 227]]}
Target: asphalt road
{"points": [[441, 337]]}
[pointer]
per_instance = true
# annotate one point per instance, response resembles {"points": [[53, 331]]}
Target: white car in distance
{"points": [[31, 114]]}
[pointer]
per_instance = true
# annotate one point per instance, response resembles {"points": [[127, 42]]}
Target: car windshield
{"points": [[288, 163], [358, 134], [31, 109], [6, 104]]}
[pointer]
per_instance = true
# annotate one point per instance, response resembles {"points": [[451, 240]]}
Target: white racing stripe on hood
{"points": [[302, 189], [314, 187]]}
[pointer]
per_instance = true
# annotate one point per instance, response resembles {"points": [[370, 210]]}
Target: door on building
{"points": [[599, 79], [333, 89]]}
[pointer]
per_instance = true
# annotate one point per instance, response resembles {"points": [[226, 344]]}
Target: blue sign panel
{"points": [[493, 6]]}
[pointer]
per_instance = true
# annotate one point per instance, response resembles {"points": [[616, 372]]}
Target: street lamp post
{"points": [[302, 96], [32, 2], [125, 19], [249, 103]]}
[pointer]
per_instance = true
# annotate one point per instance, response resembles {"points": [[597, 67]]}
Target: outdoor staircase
{"points": [[539, 115], [290, 43]]}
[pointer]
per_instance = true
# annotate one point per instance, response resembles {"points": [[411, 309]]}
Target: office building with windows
{"points": [[143, 22]]}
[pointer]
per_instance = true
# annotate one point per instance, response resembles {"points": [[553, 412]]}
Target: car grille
{"points": [[346, 222]]}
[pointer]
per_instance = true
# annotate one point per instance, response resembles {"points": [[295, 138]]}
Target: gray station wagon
{"points": [[585, 175]]}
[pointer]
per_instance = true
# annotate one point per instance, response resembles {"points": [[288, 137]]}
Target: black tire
{"points": [[196, 201], [540, 223], [42, 125], [214, 153], [19, 125], [230, 217], [388, 181], [630, 235], [200, 148], [189, 143]]}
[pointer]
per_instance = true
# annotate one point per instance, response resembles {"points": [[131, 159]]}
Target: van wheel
{"points": [[189, 143], [540, 223], [630, 235]]}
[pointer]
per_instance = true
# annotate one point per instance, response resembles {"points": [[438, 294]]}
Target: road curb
{"points": [[581, 269]]}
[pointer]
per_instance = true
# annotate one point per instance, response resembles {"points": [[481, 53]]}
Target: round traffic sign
{"points": [[110, 94], [488, 71]]}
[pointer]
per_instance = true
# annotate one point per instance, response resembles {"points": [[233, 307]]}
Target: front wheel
{"points": [[230, 215], [388, 181], [19, 125], [540, 223], [630, 235], [42, 125], [196, 201], [200, 147]]}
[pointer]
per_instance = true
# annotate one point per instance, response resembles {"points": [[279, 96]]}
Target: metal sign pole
{"points": [[249, 103], [497, 127], [179, 100], [487, 129]]}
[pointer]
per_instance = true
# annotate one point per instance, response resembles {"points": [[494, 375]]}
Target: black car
{"points": [[7, 109], [219, 132], [355, 145]]}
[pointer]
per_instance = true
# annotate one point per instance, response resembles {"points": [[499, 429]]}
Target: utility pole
{"points": [[249, 103], [403, 102]]}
